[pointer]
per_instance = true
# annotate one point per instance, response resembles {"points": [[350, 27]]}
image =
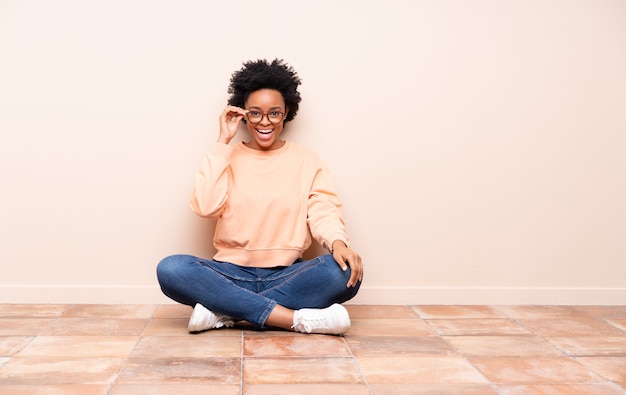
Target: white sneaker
{"points": [[333, 320], [203, 319]]}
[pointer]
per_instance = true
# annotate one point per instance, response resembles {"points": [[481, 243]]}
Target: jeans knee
{"points": [[333, 267], [169, 266], [341, 280], [163, 270]]}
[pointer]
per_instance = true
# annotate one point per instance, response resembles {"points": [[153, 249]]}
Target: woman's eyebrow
{"points": [[271, 108]]}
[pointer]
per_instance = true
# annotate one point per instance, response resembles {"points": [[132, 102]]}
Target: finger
{"points": [[234, 115], [340, 261], [361, 269], [353, 279], [355, 270], [235, 119], [236, 110], [231, 112]]}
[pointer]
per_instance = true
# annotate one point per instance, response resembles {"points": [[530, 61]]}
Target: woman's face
{"points": [[269, 105]]}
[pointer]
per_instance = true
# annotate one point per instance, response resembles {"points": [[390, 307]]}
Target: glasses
{"points": [[255, 117]]}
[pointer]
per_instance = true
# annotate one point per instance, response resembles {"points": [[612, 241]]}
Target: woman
{"points": [[268, 196]]}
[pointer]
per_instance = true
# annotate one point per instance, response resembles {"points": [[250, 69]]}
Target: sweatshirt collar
{"points": [[261, 153]]}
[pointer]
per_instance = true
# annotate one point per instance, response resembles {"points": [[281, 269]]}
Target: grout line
{"points": [[458, 352], [39, 333], [241, 360], [139, 337], [54, 321], [148, 321], [358, 367], [415, 311], [123, 365]]}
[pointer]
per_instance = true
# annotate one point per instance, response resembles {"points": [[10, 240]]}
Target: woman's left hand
{"points": [[346, 257]]}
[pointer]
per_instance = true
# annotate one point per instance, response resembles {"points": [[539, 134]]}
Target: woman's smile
{"points": [[265, 134]]}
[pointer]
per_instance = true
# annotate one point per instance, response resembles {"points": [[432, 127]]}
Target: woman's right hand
{"points": [[229, 123]]}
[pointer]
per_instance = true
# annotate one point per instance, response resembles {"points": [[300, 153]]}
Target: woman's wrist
{"points": [[224, 140], [338, 243]]}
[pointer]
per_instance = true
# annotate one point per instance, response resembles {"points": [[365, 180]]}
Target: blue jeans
{"points": [[249, 293]]}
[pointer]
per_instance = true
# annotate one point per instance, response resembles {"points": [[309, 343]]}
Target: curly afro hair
{"points": [[261, 74]]}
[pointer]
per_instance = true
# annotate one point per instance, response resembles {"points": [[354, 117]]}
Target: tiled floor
{"points": [[145, 349]]}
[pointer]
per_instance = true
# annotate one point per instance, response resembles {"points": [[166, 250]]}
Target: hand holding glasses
{"points": [[232, 116]]}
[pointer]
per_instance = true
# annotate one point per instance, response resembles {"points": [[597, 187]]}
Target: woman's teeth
{"points": [[265, 131]]}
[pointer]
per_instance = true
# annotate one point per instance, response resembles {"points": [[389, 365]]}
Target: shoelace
{"points": [[223, 321], [310, 323]]}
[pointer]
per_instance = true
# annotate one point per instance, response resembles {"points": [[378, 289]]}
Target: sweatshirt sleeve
{"points": [[324, 210], [211, 187]]}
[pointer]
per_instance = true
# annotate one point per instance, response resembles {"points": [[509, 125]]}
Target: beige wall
{"points": [[479, 146]]}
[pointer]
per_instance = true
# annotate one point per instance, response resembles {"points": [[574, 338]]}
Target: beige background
{"points": [[479, 146]]}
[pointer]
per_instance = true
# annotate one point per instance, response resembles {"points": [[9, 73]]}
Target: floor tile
{"points": [[487, 326], [187, 346], [10, 345], [398, 346], [172, 311], [502, 346], [167, 327], [23, 326], [151, 370], [175, 389], [32, 310], [110, 310], [62, 389], [306, 389], [434, 389], [539, 370], [95, 326], [456, 312], [580, 326], [433, 349], [612, 368], [604, 311], [178, 327], [296, 346], [531, 312], [80, 346], [60, 370], [381, 312], [300, 371], [565, 389], [252, 331], [410, 369], [387, 327], [591, 345]]}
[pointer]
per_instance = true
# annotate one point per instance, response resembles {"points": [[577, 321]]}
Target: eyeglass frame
{"points": [[266, 115]]}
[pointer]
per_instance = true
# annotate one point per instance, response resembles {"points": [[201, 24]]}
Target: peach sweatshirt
{"points": [[266, 202]]}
